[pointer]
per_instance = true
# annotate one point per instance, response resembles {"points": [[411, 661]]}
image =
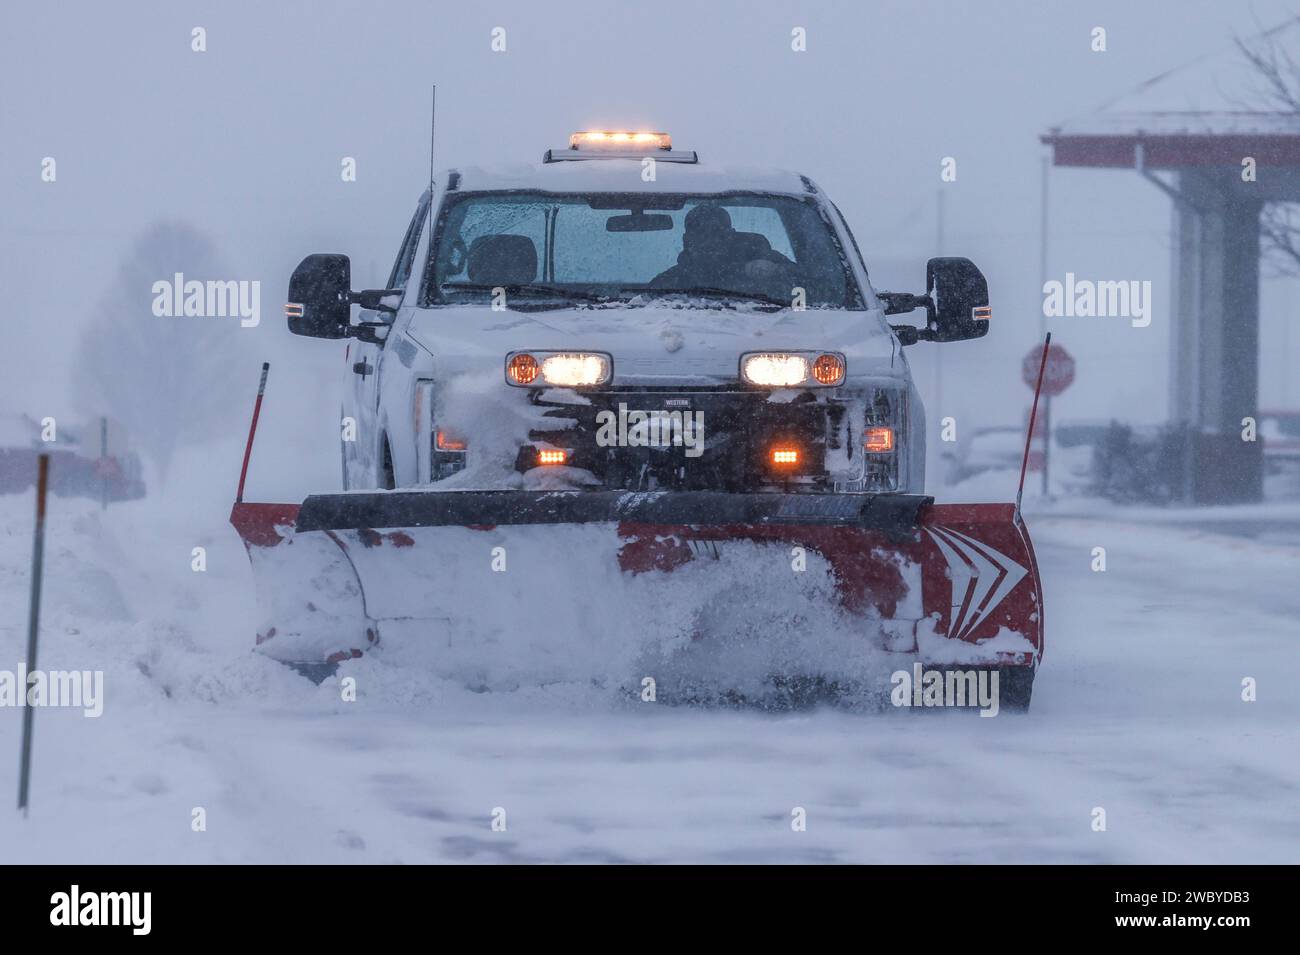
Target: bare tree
{"points": [[164, 377], [1277, 90]]}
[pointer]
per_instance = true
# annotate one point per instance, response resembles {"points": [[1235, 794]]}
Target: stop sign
{"points": [[1057, 376], [107, 468]]}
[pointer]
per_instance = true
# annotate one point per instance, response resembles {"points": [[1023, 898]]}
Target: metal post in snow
{"points": [[33, 626], [1042, 238], [1047, 440], [1042, 315], [103, 464]]}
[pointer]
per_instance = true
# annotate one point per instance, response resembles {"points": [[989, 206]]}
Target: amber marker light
{"points": [[878, 440], [448, 441], [522, 369], [828, 369]]}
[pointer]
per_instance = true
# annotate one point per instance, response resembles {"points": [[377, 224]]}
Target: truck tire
{"points": [[1015, 688], [386, 479]]}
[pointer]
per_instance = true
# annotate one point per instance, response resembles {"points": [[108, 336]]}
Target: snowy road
{"points": [[1137, 710]]}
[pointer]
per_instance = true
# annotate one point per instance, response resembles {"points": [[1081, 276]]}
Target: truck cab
{"points": [[624, 316]]}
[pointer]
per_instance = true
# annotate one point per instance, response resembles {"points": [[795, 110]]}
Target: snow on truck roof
{"points": [[624, 174]]}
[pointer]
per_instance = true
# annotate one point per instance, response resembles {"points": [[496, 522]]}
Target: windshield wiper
{"points": [[529, 288], [706, 291]]}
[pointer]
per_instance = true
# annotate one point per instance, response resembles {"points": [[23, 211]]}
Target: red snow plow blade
{"points": [[522, 577]]}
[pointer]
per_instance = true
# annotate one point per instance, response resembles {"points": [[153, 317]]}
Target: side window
{"points": [[492, 216], [868, 290], [406, 254], [844, 224]]}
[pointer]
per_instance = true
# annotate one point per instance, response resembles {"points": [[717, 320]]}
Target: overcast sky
{"points": [[244, 141]]}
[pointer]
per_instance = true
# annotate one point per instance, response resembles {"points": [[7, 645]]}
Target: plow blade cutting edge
{"points": [[499, 586]]}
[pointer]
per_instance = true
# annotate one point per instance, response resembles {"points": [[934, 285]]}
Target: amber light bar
{"points": [[619, 137], [552, 455], [785, 456]]}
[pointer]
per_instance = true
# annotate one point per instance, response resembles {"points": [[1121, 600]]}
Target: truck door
{"points": [[366, 361]]}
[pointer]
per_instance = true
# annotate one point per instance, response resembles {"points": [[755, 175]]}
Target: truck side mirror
{"points": [[320, 294], [960, 297]]}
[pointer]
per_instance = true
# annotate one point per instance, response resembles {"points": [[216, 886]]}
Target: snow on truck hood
{"points": [[654, 345]]}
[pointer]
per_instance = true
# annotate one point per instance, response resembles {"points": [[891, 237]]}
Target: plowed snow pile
{"points": [[738, 624]]}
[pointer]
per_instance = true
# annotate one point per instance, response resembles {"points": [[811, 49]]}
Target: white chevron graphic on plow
{"points": [[981, 578]]}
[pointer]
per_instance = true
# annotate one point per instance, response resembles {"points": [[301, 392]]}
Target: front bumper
{"points": [[722, 439]]}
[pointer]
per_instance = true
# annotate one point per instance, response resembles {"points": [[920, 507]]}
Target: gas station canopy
{"points": [[1214, 135]]}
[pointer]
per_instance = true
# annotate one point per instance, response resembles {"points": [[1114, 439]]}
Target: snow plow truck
{"points": [[624, 397]]}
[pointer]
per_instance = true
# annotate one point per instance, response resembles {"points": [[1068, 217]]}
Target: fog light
{"points": [[878, 440], [552, 455], [785, 456]]}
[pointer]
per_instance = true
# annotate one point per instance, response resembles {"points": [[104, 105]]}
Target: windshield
{"points": [[546, 248]]}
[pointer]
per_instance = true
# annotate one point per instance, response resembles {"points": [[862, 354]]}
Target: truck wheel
{"points": [[1015, 687], [386, 479]]}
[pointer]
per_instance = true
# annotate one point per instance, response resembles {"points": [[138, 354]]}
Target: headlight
{"points": [[792, 369], [562, 369], [573, 370]]}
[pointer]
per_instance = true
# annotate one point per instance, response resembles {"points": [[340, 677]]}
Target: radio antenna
{"points": [[433, 138]]}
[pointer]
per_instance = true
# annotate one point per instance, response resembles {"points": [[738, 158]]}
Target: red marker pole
{"points": [[252, 430], [1033, 413], [33, 625]]}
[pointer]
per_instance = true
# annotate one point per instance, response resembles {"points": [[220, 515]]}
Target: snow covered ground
{"points": [[1137, 710]]}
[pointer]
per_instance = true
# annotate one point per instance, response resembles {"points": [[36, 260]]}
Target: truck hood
{"points": [[655, 345]]}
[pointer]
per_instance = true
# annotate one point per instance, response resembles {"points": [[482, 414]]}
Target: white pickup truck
{"points": [[658, 387], [625, 316]]}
